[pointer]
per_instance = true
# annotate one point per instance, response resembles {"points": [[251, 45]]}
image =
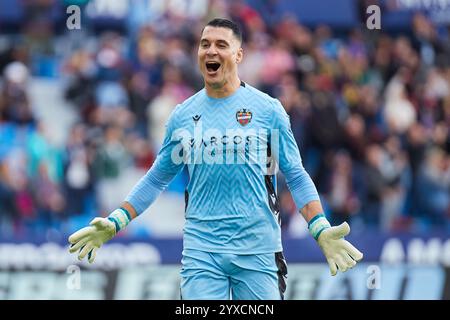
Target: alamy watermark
{"points": [[374, 20], [74, 20], [374, 278], [234, 146], [73, 281]]}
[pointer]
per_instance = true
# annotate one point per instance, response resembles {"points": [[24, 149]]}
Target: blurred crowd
{"points": [[370, 111]]}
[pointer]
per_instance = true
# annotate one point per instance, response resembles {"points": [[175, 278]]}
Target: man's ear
{"points": [[239, 55]]}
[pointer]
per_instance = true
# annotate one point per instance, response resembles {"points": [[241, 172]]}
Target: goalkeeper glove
{"points": [[340, 253], [99, 231]]}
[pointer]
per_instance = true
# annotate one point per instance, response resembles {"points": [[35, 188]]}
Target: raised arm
{"points": [[340, 254], [100, 230]]}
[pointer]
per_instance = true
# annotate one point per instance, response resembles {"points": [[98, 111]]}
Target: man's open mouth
{"points": [[212, 66]]}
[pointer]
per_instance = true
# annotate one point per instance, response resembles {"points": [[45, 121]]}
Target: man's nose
{"points": [[211, 50]]}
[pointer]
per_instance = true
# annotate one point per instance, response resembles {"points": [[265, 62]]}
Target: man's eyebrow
{"points": [[223, 41], [219, 41]]}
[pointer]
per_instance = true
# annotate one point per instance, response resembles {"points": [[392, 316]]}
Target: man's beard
{"points": [[217, 84]]}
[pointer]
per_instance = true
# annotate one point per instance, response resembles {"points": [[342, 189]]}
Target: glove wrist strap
{"points": [[121, 218], [318, 224]]}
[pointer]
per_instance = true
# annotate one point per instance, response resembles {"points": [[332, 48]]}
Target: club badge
{"points": [[243, 116]]}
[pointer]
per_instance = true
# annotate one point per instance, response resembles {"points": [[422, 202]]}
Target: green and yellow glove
{"points": [[340, 254], [100, 230]]}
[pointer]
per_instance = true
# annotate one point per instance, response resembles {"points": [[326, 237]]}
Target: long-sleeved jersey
{"points": [[232, 148]]}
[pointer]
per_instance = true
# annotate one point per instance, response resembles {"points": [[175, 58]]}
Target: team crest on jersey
{"points": [[244, 117]]}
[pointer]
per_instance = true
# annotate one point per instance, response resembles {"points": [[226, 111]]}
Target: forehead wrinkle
{"points": [[220, 34], [214, 40]]}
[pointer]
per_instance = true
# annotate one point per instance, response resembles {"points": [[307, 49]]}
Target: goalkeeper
{"points": [[229, 135]]}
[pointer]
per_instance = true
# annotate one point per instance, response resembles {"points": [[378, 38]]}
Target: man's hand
{"points": [[339, 253], [89, 239]]}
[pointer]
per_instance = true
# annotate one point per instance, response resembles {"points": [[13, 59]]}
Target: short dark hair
{"points": [[225, 23]]}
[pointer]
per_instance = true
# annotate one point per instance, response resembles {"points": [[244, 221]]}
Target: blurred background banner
{"points": [[305, 282], [430, 249], [83, 112], [399, 267]]}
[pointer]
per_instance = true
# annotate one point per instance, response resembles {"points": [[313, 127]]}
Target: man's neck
{"points": [[226, 90]]}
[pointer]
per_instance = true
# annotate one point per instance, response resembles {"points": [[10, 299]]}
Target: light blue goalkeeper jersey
{"points": [[232, 148]]}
